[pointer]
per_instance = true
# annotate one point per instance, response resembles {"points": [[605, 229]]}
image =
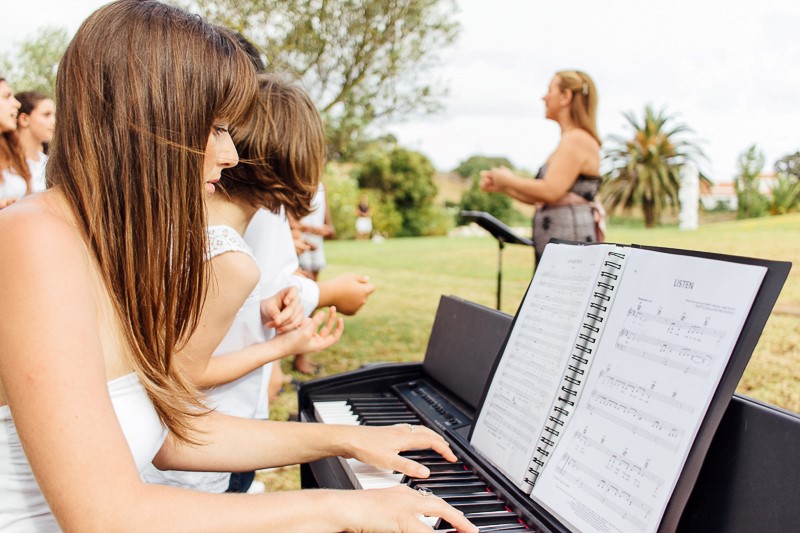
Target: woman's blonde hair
{"points": [[139, 88], [583, 108], [282, 148]]}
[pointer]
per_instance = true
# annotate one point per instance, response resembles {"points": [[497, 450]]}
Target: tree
{"points": [[34, 64], [362, 61], [405, 179], [472, 166], [785, 195], [498, 205], [789, 165], [645, 169], [751, 202]]}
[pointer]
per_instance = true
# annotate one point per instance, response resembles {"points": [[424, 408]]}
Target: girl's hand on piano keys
{"points": [[381, 446], [399, 509]]}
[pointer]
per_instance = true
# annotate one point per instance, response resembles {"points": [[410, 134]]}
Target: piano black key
{"points": [[447, 489], [374, 401], [458, 499], [380, 409], [416, 482], [422, 455], [487, 529], [436, 466], [384, 422], [481, 506], [491, 521]]}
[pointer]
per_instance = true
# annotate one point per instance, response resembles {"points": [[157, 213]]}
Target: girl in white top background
{"points": [[35, 124], [316, 227], [14, 173], [87, 376]]}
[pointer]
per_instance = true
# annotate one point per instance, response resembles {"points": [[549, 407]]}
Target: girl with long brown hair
{"points": [[565, 187], [102, 280], [14, 174]]}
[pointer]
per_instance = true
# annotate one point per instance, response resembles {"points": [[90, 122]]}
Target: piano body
{"points": [[749, 480]]}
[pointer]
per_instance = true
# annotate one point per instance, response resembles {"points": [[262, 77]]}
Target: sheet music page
{"points": [[533, 361], [667, 341]]}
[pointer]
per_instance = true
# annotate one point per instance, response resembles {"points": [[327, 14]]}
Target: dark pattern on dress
{"points": [[569, 222]]}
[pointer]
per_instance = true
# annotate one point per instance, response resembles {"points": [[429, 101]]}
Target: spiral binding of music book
{"points": [[579, 362]]}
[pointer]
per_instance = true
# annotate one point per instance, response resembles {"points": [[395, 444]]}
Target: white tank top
{"points": [[12, 186], [245, 397], [23, 508]]}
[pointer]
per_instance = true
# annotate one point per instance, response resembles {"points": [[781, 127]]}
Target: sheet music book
{"points": [[606, 376]]}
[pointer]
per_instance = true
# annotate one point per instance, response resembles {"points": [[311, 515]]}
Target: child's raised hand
{"points": [[317, 333]]}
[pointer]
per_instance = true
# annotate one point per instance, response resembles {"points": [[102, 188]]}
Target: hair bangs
{"points": [[238, 86]]}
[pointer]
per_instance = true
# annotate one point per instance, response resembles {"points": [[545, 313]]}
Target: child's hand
{"points": [[283, 311], [317, 333]]}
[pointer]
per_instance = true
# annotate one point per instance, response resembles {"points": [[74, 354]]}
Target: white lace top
{"points": [[243, 397], [23, 508]]}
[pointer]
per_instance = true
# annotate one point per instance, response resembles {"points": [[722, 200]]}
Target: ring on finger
{"points": [[410, 427], [424, 491]]}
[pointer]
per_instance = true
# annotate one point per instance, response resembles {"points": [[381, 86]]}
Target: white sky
{"points": [[730, 70]]}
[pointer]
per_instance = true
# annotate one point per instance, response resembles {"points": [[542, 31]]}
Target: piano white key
{"points": [[335, 413], [361, 475]]}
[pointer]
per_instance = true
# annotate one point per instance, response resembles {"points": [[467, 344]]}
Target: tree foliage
{"points": [[498, 205], [33, 65], [789, 165], [362, 61], [471, 167], [404, 178], [785, 195], [751, 202], [646, 168]]}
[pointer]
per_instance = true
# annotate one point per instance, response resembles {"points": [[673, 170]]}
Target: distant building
{"points": [[723, 195], [718, 196]]}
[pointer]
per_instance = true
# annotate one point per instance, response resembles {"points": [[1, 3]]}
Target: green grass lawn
{"points": [[412, 274]]}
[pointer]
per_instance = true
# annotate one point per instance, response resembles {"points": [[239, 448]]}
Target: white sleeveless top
{"points": [[23, 508], [12, 186], [245, 397]]}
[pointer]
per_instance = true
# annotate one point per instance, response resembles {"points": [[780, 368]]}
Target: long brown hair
{"points": [[583, 108], [12, 156], [282, 149], [139, 88]]}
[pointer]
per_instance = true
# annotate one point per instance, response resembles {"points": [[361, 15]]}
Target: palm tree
{"points": [[645, 170]]}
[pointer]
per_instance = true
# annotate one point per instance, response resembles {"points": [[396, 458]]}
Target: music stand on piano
{"points": [[502, 233]]}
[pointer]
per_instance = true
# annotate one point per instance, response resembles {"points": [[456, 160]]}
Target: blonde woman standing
{"points": [[566, 185]]}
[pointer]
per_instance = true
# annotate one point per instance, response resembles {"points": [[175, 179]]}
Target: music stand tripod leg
{"points": [[499, 269]]}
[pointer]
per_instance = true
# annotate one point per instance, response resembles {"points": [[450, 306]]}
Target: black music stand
{"points": [[502, 233]]}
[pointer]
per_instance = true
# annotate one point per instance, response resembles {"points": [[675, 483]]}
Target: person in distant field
{"points": [[566, 185], [316, 227], [363, 218], [14, 172], [35, 124]]}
